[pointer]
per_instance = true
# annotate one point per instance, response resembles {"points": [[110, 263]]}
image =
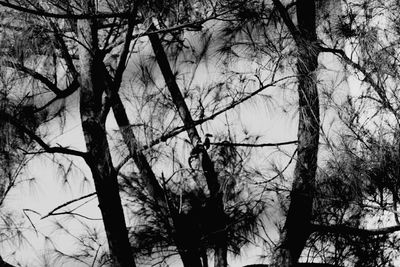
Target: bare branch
{"points": [[194, 25], [66, 15], [183, 128], [226, 143], [63, 94], [49, 84], [126, 48], [66, 204], [348, 230], [48, 149], [34, 74], [367, 76], [301, 264]]}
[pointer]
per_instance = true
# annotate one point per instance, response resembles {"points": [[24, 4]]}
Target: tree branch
{"points": [[34, 74], [63, 94], [126, 48], [67, 203], [48, 149], [301, 264], [226, 143], [195, 25], [348, 230], [367, 76], [104, 15], [183, 128], [64, 51], [294, 31]]}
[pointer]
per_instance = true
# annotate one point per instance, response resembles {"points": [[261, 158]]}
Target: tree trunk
{"points": [[221, 242], [99, 157], [189, 256], [190, 259], [297, 226]]}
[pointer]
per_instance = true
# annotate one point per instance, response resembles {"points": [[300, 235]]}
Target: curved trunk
{"points": [[297, 226]]}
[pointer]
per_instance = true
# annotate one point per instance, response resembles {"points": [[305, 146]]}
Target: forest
{"points": [[241, 133]]}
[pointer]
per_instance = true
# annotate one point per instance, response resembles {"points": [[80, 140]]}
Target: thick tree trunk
{"points": [[221, 242], [99, 158], [297, 226], [190, 258]]}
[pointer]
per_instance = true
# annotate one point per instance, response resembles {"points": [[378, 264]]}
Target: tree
{"points": [[359, 22], [139, 63], [81, 42]]}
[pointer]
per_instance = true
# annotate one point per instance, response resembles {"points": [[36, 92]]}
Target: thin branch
{"points": [[60, 94], [29, 219], [62, 150], [34, 74], [348, 230], [126, 47], [301, 264], [75, 214], [367, 76], [280, 172], [95, 256], [226, 143], [103, 15], [183, 128], [66, 204], [64, 93], [195, 26]]}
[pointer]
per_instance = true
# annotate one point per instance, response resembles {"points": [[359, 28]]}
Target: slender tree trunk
{"points": [[190, 257], [297, 226], [221, 242], [99, 158], [152, 185]]}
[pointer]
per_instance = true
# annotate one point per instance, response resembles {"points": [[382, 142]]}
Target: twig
{"points": [[66, 204], [29, 219]]}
